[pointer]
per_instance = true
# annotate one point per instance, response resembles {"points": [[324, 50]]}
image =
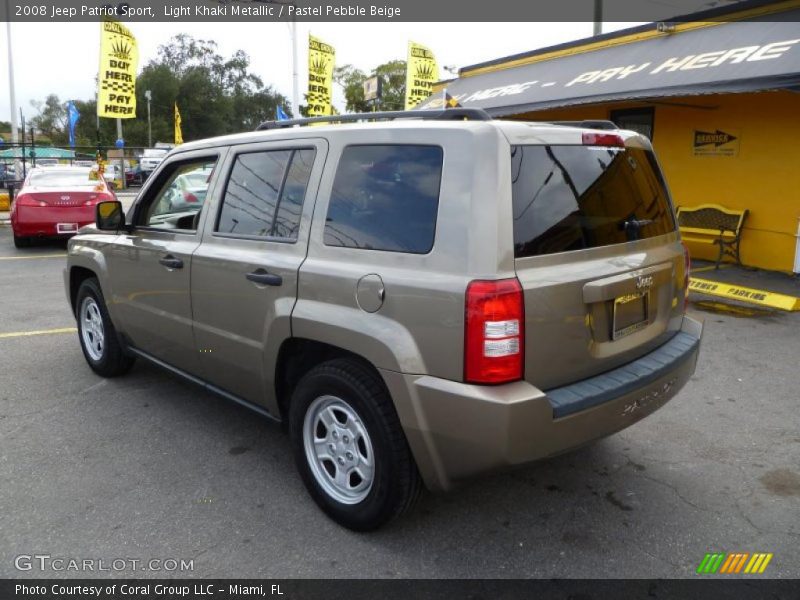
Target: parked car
{"points": [[150, 159], [47, 162], [188, 191], [7, 173], [113, 175], [419, 301], [134, 176], [56, 202]]}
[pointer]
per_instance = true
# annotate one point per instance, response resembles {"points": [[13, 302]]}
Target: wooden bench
{"points": [[713, 224]]}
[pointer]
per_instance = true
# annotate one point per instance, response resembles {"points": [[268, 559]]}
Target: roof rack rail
{"points": [[589, 124], [449, 114]]}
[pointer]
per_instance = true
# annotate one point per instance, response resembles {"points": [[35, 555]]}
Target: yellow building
{"points": [[719, 99]]}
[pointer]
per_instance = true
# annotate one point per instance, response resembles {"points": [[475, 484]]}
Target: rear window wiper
{"points": [[632, 227]]}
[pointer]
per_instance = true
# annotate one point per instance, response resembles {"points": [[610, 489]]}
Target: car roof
{"points": [[52, 168], [517, 132]]}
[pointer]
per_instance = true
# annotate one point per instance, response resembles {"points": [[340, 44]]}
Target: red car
{"points": [[55, 202]]}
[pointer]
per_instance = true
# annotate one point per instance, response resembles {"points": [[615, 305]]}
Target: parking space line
{"points": [[14, 334], [744, 294], [33, 256]]}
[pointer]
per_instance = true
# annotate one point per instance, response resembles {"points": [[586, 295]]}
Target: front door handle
{"points": [[171, 262], [264, 278]]}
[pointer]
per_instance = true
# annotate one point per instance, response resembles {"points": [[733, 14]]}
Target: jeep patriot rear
{"points": [[419, 300]]}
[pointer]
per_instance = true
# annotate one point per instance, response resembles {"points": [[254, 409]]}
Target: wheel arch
{"points": [[297, 356], [77, 275]]}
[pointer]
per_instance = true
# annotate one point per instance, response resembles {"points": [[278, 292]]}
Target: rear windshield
{"points": [[59, 178], [576, 197]]}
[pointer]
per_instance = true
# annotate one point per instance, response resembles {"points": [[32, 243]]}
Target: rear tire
{"points": [[96, 332], [21, 242], [349, 446]]}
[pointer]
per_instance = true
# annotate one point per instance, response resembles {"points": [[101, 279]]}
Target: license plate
{"points": [[630, 314], [67, 228]]}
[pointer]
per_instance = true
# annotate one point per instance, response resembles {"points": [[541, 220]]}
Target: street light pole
{"points": [[295, 85], [598, 17], [148, 94], [11, 93]]}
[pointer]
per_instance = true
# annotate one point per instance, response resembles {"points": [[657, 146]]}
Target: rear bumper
{"points": [[457, 430], [42, 221]]}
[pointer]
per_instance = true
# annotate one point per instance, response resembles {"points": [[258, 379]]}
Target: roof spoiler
{"points": [[449, 114], [589, 124]]}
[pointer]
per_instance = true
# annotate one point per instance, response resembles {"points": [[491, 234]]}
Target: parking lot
{"points": [[147, 466]]}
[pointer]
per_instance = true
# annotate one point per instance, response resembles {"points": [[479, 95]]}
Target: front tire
{"points": [[349, 446], [96, 332]]}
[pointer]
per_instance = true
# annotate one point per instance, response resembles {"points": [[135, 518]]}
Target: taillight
{"points": [[26, 200], [189, 197], [494, 325], [602, 139], [687, 268]]}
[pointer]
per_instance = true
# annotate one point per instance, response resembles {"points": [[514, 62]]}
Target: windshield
{"points": [[576, 197], [62, 178]]}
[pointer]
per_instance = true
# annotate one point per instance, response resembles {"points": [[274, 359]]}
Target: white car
{"points": [[151, 158]]}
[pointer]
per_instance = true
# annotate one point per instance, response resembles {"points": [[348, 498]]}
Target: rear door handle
{"points": [[264, 278], [171, 262]]}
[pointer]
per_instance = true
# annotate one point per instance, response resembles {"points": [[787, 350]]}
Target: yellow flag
{"points": [[178, 132], [116, 79], [421, 73], [321, 57]]}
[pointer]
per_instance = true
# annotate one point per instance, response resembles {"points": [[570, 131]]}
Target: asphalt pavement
{"points": [[149, 467]]}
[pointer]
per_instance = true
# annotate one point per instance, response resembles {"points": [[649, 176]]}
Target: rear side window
{"points": [[264, 195], [385, 197], [576, 197]]}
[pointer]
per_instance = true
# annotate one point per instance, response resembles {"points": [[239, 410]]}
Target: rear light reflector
{"points": [[500, 329], [494, 345], [687, 269], [495, 348], [603, 139], [189, 197]]}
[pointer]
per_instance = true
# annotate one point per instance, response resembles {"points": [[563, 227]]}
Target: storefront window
{"points": [[639, 120]]}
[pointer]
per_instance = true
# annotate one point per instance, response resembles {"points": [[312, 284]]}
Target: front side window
{"points": [[265, 192], [385, 197], [178, 203]]}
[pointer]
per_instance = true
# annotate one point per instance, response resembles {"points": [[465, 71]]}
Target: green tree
{"points": [[215, 96], [393, 84], [51, 118]]}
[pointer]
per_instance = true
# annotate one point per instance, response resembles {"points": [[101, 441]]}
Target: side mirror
{"points": [[109, 216]]}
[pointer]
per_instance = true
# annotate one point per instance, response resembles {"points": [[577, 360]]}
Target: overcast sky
{"points": [[62, 58]]}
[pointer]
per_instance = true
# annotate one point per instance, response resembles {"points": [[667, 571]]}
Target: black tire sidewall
{"points": [[380, 505], [91, 288]]}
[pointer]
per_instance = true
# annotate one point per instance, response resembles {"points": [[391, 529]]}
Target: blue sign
{"points": [[120, 143]]}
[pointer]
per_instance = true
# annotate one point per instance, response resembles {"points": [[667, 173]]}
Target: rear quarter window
{"points": [[577, 197], [385, 197]]}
